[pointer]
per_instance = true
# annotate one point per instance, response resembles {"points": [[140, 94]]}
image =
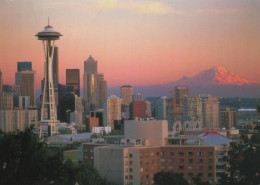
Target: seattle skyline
{"points": [[134, 42]]}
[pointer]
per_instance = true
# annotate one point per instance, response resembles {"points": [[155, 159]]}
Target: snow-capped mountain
{"points": [[215, 76]]}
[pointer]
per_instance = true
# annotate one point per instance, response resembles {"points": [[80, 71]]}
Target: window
{"points": [[181, 167], [162, 167], [126, 156], [126, 170], [190, 160], [131, 169], [170, 167], [210, 168], [171, 153], [131, 155], [200, 153], [131, 162], [86, 150], [190, 154], [152, 154], [141, 155], [146, 155], [157, 153], [181, 160], [162, 160], [190, 174], [200, 174], [147, 176], [210, 175], [147, 162], [200, 160], [147, 169], [200, 167], [181, 154], [126, 162], [130, 176], [141, 169], [190, 167], [210, 161], [91, 151], [210, 153], [163, 153], [141, 163], [126, 177], [171, 160]]}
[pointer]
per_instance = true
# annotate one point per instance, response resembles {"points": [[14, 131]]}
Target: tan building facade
{"points": [[211, 112], [126, 92], [6, 100], [112, 110]]}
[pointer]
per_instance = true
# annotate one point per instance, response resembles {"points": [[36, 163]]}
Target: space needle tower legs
{"points": [[49, 109]]}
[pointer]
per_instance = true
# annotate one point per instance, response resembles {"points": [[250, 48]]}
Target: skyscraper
{"points": [[138, 97], [25, 79], [102, 90], [210, 109], [193, 109], [1, 81], [228, 118], [179, 94], [112, 111], [48, 36], [73, 80], [126, 92], [6, 100], [90, 94]]}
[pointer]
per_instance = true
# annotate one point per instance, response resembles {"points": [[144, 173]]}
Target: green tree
{"points": [[169, 178], [197, 181], [242, 165], [25, 160]]}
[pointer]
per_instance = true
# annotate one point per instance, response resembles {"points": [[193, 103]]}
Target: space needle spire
{"points": [[49, 110]]}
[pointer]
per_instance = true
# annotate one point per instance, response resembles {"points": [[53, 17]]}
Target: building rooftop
{"points": [[69, 137]]}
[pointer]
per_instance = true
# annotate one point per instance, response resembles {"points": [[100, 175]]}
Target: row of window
{"points": [[172, 167], [172, 154], [210, 161]]}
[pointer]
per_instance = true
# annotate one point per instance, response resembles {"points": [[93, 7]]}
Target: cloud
{"points": [[136, 7], [219, 11]]}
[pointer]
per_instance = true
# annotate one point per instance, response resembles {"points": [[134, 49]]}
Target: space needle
{"points": [[49, 109]]}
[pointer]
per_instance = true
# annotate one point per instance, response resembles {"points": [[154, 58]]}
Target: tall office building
{"points": [[179, 94], [6, 100], [73, 80], [112, 111], [25, 79], [126, 92], [90, 94], [1, 80], [162, 107], [228, 118], [148, 109], [101, 89], [138, 109], [193, 109], [210, 109], [138, 97]]}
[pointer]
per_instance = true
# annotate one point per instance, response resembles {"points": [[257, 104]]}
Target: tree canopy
{"points": [[242, 165], [25, 160]]}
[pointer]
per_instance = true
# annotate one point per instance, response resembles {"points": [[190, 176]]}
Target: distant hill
{"points": [[216, 81]]}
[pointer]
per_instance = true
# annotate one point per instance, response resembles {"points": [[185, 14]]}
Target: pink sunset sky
{"points": [[137, 42]]}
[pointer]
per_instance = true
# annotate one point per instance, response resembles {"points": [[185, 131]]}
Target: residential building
{"points": [[228, 118], [193, 109], [19, 119], [211, 112], [179, 94]]}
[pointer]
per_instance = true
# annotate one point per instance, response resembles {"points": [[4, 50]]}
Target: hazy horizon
{"points": [[140, 42]]}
